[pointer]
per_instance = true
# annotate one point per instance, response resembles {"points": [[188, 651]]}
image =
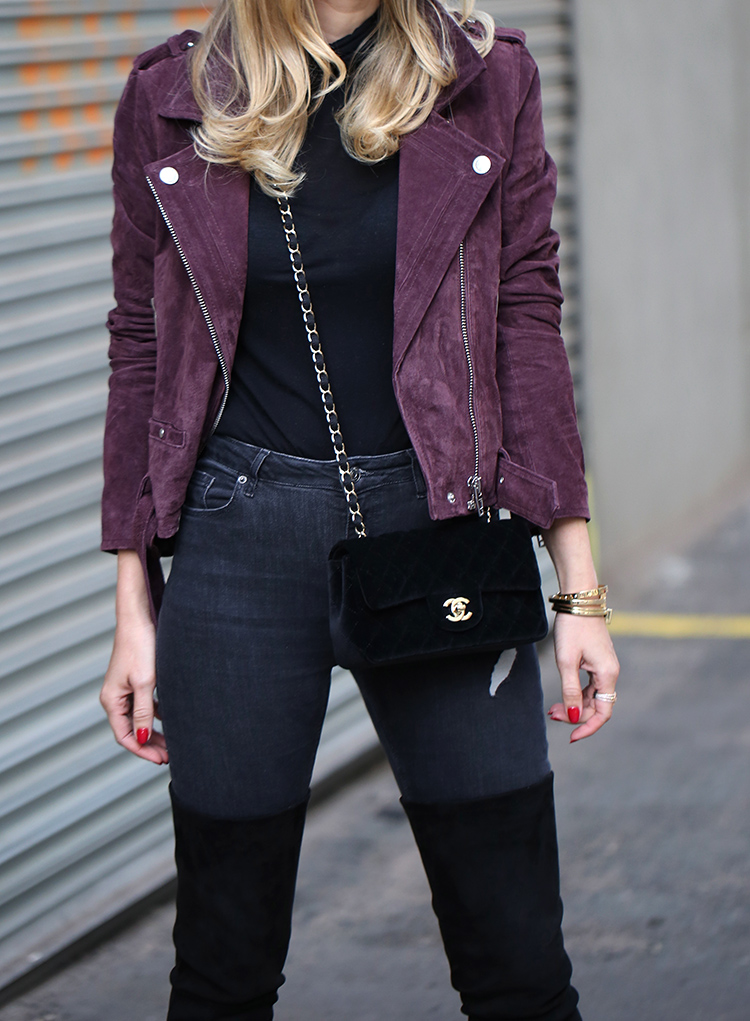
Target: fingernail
{"points": [[574, 714], [141, 735]]}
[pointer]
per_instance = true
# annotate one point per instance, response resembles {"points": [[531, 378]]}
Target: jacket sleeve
{"points": [[132, 349], [532, 365]]}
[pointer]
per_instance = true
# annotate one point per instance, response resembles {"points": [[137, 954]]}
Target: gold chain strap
{"points": [[324, 385]]}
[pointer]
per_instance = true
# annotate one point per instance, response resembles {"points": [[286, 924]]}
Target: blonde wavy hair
{"points": [[251, 78]]}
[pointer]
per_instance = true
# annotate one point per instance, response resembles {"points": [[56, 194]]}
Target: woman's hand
{"points": [[583, 643], [128, 690]]}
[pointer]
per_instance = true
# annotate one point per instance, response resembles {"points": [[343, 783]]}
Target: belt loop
{"points": [[253, 471], [419, 483]]}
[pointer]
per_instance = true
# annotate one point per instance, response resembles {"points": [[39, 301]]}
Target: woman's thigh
{"points": [[452, 732], [243, 645]]}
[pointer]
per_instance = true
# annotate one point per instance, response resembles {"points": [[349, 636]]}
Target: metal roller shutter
{"points": [[85, 826]]}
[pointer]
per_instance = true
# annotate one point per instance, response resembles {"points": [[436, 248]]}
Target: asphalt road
{"points": [[654, 820]]}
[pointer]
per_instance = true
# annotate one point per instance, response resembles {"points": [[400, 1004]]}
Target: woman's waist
{"points": [[275, 466]]}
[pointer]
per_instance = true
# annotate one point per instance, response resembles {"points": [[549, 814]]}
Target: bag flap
{"points": [[443, 560]]}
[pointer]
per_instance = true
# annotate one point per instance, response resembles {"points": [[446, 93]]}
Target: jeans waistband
{"points": [[258, 462]]}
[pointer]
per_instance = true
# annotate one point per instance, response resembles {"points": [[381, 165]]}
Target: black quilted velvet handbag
{"points": [[469, 584]]}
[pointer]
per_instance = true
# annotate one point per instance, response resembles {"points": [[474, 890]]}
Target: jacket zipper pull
{"points": [[476, 503]]}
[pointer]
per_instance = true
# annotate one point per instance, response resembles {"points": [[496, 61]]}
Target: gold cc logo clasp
{"points": [[458, 610]]}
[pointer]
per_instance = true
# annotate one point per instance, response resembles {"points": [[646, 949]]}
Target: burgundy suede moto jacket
{"points": [[491, 387]]}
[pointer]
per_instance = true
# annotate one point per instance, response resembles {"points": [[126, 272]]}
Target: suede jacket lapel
{"points": [[439, 195], [205, 208], [442, 185]]}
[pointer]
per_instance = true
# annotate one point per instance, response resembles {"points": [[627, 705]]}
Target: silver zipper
{"points": [[474, 482], [201, 303]]}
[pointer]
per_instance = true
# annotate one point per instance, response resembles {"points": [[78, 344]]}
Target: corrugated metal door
{"points": [[85, 826]]}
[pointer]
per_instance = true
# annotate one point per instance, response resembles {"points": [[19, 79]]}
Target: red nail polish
{"points": [[574, 714], [141, 735]]}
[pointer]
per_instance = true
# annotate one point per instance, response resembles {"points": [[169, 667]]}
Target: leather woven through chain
{"points": [[321, 373]]}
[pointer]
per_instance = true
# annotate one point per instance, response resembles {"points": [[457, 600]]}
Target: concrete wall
{"points": [[664, 191]]}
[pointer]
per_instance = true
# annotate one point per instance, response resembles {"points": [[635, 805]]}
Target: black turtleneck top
{"points": [[345, 213]]}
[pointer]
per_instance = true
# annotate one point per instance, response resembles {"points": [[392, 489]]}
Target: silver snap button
{"points": [[500, 480], [168, 175], [451, 497], [191, 44], [481, 164], [161, 433], [242, 480]]}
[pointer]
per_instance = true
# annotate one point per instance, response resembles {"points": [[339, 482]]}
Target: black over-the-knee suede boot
{"points": [[493, 869], [235, 890]]}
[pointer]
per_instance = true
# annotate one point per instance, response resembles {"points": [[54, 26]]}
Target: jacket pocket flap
{"points": [[525, 492], [445, 560]]}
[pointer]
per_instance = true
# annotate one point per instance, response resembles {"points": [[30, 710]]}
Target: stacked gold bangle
{"points": [[591, 603]]}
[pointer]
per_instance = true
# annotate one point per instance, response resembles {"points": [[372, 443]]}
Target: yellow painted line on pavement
{"points": [[680, 625]]}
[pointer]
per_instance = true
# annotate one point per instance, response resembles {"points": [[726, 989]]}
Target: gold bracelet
{"points": [[578, 602], [588, 603], [579, 607], [593, 593], [579, 611]]}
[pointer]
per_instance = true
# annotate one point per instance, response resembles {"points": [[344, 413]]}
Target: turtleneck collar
{"points": [[346, 46]]}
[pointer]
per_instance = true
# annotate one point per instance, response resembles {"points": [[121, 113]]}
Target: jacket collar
{"points": [[469, 63], [180, 103]]}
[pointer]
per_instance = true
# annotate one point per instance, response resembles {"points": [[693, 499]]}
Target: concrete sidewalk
{"points": [[654, 817]]}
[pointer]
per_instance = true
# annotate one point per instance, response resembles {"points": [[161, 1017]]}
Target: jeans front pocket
{"points": [[212, 488]]}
